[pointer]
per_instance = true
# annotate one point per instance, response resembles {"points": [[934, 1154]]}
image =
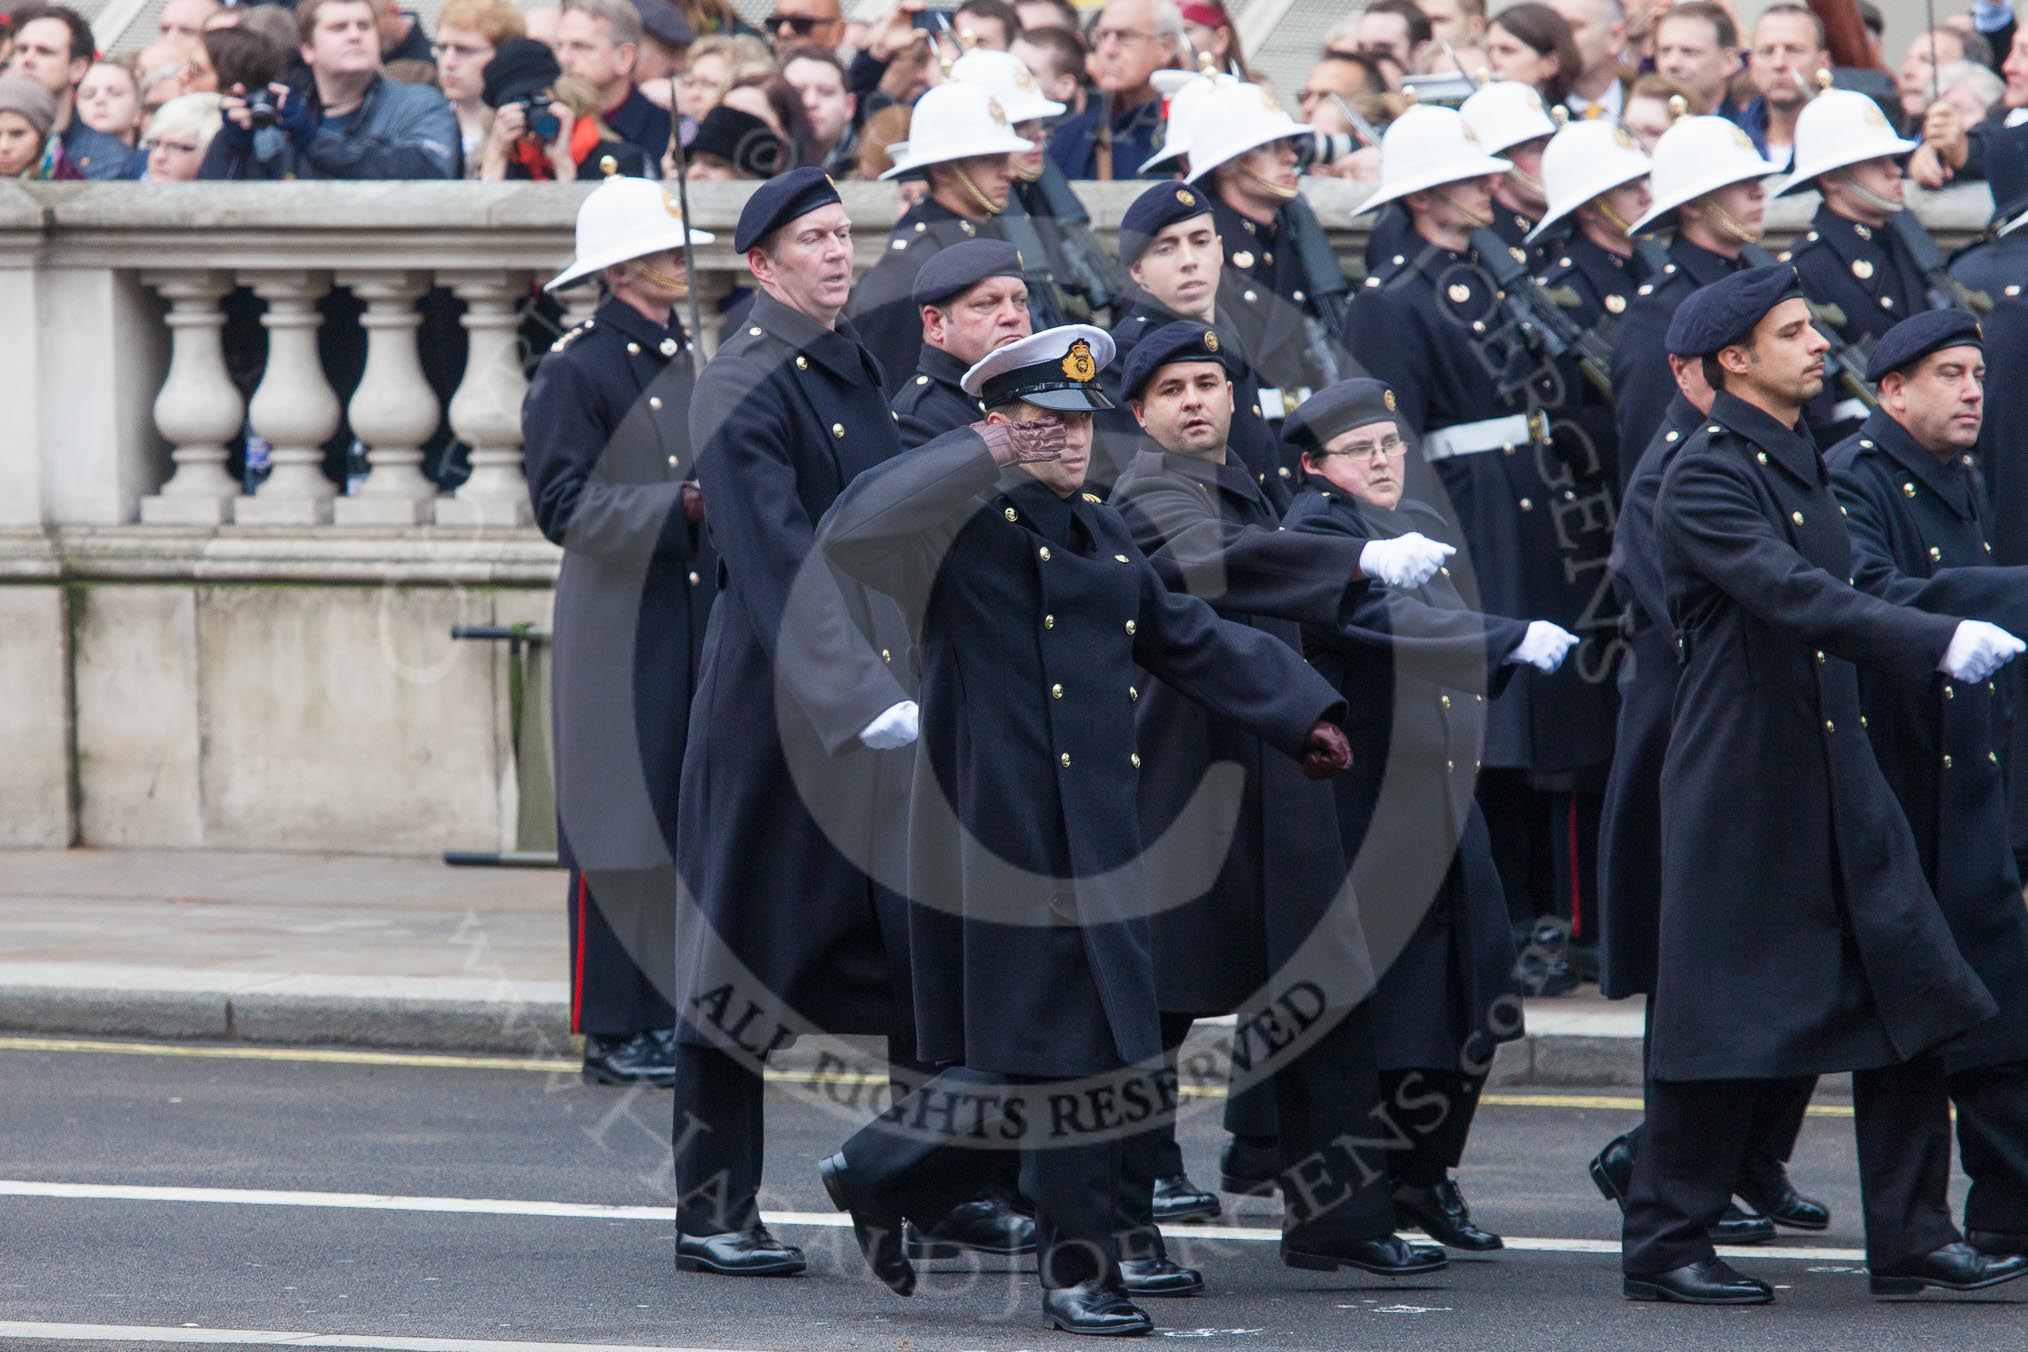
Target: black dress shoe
{"points": [[1159, 1277], [1612, 1170], [1249, 1168], [1954, 1267], [879, 1237], [739, 1253], [1708, 1281], [636, 1059], [1765, 1186], [1997, 1241], [1391, 1256], [983, 1225], [1094, 1309], [1178, 1199], [1544, 978], [1440, 1212], [1737, 1227]]}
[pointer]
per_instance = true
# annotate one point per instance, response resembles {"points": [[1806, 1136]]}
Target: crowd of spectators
{"points": [[506, 89]]}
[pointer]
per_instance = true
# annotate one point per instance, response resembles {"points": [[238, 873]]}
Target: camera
{"points": [[260, 106], [541, 123]]}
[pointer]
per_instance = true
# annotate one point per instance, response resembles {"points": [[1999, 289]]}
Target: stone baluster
{"points": [[294, 409], [394, 410], [713, 286], [486, 410], [198, 410]]}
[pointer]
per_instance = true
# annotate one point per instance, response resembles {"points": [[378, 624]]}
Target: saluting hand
{"points": [[1022, 443], [1325, 751]]}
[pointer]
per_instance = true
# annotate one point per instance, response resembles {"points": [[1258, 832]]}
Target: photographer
{"points": [[546, 125], [351, 122]]}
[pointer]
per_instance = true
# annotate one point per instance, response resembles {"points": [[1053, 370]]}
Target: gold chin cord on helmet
{"points": [[669, 281], [978, 194], [1613, 218], [1472, 219], [1726, 221], [1284, 191], [1529, 183], [1868, 196]]}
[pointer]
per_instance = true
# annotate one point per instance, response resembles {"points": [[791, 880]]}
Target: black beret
{"points": [[959, 267], [742, 140], [1155, 211], [665, 23], [780, 200], [2007, 171], [1179, 340], [1724, 313], [1338, 408], [1919, 335], [520, 67]]}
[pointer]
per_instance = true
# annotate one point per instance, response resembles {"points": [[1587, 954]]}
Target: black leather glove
{"points": [[1326, 752], [1017, 443]]}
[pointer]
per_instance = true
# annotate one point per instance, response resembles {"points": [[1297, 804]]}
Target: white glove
{"points": [[1544, 646], [1405, 561], [894, 728], [1978, 650]]}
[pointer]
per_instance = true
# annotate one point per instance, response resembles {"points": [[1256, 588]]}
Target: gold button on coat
{"points": [[655, 402], [838, 430], [1135, 759], [1064, 760], [1049, 621], [1043, 553], [1130, 626], [1056, 692]]}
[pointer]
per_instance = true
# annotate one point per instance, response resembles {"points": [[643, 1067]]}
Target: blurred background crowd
{"points": [[493, 89]]}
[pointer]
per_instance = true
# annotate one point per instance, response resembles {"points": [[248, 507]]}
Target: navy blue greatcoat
{"points": [[1415, 667], [606, 431], [1798, 936], [784, 811], [1919, 535], [1248, 902], [1037, 616]]}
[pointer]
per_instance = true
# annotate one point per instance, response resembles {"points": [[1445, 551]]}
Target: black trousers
{"points": [[1699, 1132], [622, 950], [930, 1150], [1777, 1123], [1545, 846], [718, 1141], [1433, 1111], [1336, 1146], [1992, 1104]]}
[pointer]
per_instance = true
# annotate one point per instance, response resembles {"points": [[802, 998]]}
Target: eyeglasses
{"points": [[465, 49], [803, 24], [1390, 448]]}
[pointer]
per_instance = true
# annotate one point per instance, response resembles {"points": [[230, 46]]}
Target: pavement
{"points": [[228, 1194], [371, 951]]}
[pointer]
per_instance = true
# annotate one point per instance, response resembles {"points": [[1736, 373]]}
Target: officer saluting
{"points": [[973, 297], [1919, 533], [960, 143], [798, 710], [1798, 935], [1851, 262], [1169, 242], [610, 475], [1415, 667], [1707, 179], [1030, 928]]}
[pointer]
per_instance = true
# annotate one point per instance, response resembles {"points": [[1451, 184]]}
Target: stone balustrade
{"points": [[187, 664]]}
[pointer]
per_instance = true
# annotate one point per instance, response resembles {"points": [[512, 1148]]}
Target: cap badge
{"points": [[1873, 116], [1078, 363], [1470, 136], [1387, 397], [669, 205], [1267, 101], [1741, 139], [1022, 79], [1624, 139], [999, 114], [1183, 195], [1210, 341]]}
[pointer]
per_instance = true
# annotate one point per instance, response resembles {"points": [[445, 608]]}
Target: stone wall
{"points": [[173, 674]]}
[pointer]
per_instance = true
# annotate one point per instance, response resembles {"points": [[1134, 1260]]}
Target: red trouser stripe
{"points": [[577, 962], [1576, 879]]}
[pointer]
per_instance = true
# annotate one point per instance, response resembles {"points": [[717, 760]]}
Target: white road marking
{"points": [[11, 1329], [494, 1206]]}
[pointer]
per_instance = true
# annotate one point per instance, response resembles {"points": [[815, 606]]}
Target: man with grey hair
{"points": [[1123, 126], [1599, 28], [599, 41]]}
